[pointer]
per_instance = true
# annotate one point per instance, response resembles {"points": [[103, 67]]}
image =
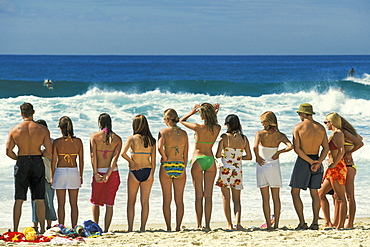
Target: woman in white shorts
{"points": [[64, 171], [267, 154]]}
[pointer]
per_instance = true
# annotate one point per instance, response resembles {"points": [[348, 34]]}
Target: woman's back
{"points": [[175, 141], [205, 138], [105, 152], [67, 150], [140, 154], [270, 139]]}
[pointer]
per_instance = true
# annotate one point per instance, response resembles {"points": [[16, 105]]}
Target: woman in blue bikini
{"points": [[203, 168], [173, 147], [142, 166]]}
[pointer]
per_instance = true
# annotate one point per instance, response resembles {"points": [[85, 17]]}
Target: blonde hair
{"points": [[270, 118], [335, 119], [171, 114], [208, 113]]}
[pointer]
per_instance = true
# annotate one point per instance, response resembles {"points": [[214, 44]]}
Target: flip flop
{"points": [[314, 226], [302, 227]]}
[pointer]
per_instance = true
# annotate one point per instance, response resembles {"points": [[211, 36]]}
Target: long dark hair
{"points": [[140, 126], [105, 123], [234, 125], [65, 124]]}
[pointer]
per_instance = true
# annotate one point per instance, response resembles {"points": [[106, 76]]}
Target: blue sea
{"points": [[124, 86]]}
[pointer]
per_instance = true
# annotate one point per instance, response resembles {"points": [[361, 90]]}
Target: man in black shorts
{"points": [[308, 137], [29, 169]]}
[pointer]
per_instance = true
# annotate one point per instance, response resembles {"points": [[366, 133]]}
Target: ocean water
{"points": [[124, 86]]}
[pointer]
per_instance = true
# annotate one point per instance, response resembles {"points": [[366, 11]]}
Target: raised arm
{"points": [[184, 119]]}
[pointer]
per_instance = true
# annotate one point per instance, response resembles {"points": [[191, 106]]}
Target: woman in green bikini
{"points": [[203, 168], [173, 147]]}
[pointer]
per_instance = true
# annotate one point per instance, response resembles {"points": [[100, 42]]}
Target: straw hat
{"points": [[306, 108]]}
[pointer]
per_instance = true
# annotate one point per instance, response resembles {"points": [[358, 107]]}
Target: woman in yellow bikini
{"points": [[203, 168], [105, 148], [352, 142], [173, 147], [64, 171]]}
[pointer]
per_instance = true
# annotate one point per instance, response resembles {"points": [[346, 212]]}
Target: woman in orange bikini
{"points": [[105, 148], [173, 147], [203, 168], [142, 166], [336, 174], [64, 171]]}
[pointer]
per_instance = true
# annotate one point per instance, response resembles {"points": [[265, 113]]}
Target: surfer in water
{"points": [[351, 72]]}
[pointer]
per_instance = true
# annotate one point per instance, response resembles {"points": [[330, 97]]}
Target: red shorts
{"points": [[105, 193], [339, 173]]}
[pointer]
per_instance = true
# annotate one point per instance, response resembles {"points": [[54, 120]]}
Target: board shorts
{"points": [[105, 193], [302, 176], [29, 172], [66, 178]]}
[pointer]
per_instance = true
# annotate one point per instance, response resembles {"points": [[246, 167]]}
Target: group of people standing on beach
{"points": [[64, 166]]}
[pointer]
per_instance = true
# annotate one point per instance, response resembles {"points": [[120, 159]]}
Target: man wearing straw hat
{"points": [[308, 137]]}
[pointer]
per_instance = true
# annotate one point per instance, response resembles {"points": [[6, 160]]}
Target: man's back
{"points": [[311, 135], [29, 136]]}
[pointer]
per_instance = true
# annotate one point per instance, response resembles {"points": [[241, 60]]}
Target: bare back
{"points": [[309, 136], [175, 144], [204, 139], [271, 140], [101, 153], [29, 136]]}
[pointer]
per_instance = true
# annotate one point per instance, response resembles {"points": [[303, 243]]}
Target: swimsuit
{"points": [[332, 146], [104, 153], [230, 173], [105, 193], [142, 174], [303, 177], [269, 173], [203, 142], [67, 157], [349, 160], [173, 168], [205, 162], [29, 171]]}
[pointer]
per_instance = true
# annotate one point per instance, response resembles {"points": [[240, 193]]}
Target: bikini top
{"points": [[348, 144], [67, 157], [332, 145], [104, 153], [133, 152], [202, 142], [177, 148]]}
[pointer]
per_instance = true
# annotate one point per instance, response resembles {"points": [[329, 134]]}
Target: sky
{"points": [[185, 27]]}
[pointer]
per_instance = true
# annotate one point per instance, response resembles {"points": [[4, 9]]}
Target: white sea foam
{"points": [[364, 79], [85, 109]]}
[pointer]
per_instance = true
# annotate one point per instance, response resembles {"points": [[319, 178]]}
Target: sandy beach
{"points": [[219, 236]]}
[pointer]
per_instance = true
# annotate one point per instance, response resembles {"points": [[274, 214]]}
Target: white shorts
{"points": [[66, 178]]}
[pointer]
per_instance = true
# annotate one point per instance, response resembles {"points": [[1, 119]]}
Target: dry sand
{"points": [[219, 236]]}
